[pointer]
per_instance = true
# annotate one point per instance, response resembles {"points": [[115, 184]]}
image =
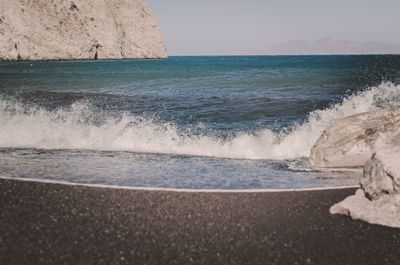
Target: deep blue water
{"points": [[220, 122]]}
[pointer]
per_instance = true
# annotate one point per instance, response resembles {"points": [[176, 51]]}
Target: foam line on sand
{"points": [[172, 189]]}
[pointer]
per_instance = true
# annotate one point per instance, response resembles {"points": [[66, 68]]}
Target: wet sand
{"points": [[42, 223]]}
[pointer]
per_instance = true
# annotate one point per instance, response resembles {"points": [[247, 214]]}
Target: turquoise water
{"points": [[221, 122]]}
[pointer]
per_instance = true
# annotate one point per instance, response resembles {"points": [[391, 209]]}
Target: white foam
{"points": [[78, 128], [171, 189]]}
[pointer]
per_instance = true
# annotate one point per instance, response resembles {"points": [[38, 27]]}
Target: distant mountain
{"points": [[332, 46]]}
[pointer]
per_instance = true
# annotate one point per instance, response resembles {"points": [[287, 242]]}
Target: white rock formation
{"points": [[378, 199], [351, 141], [78, 29], [382, 173], [383, 211]]}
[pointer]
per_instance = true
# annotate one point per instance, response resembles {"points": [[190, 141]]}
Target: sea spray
{"points": [[81, 127]]}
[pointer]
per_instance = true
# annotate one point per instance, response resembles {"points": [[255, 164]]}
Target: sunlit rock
{"points": [[382, 173], [351, 141], [78, 29], [378, 199]]}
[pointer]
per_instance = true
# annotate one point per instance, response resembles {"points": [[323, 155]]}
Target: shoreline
{"points": [[205, 55], [84, 60], [178, 190], [50, 223]]}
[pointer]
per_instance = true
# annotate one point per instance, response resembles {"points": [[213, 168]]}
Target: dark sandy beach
{"points": [[59, 224]]}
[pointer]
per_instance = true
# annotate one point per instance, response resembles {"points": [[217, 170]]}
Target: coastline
{"points": [[179, 190], [85, 60], [51, 223], [199, 55]]}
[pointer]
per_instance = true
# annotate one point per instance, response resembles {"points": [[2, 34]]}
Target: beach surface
{"points": [[48, 223]]}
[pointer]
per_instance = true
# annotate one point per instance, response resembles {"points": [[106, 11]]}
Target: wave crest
{"points": [[79, 127]]}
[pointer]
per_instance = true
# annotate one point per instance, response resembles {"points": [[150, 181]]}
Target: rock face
{"points": [[371, 140], [378, 199], [78, 29], [385, 211], [382, 174], [351, 141]]}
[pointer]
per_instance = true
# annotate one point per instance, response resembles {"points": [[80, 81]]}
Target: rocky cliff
{"points": [[78, 29]]}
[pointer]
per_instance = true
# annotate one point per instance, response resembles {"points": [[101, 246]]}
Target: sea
{"points": [[192, 122]]}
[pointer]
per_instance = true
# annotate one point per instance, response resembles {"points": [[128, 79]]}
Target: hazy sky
{"points": [[210, 27]]}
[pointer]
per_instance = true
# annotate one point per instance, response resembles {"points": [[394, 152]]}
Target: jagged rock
{"points": [[351, 141], [378, 200], [382, 173], [383, 211], [81, 29]]}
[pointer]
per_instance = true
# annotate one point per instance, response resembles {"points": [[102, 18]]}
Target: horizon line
{"points": [[279, 54]]}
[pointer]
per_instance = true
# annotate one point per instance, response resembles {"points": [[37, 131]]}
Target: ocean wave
{"points": [[78, 127]]}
